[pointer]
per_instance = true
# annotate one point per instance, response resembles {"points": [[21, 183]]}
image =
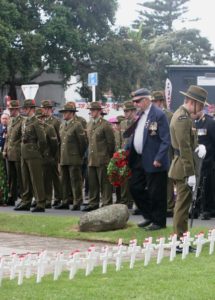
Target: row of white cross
{"points": [[26, 265]]}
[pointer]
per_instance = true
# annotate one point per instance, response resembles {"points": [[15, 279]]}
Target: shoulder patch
{"points": [[184, 117]]}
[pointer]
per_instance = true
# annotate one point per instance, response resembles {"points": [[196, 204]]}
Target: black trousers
{"points": [[205, 192], [149, 191]]}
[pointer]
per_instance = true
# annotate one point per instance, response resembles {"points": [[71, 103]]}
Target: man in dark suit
{"points": [[149, 161], [205, 126]]}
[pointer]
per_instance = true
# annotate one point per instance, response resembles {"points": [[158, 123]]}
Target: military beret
{"points": [[69, 106]]}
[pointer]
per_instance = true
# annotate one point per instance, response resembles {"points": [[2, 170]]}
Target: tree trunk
{"points": [[12, 91]]}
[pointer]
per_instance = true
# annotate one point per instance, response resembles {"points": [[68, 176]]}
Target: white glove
{"points": [[191, 181], [201, 151]]}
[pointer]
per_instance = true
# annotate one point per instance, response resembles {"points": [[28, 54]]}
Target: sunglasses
{"points": [[138, 100]]}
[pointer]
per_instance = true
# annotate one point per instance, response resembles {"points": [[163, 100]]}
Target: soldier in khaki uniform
{"points": [[49, 156], [115, 123], [101, 149], [159, 100], [184, 142], [130, 117], [12, 152], [32, 149], [73, 146], [47, 106]]}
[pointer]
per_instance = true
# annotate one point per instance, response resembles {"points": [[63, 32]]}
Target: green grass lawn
{"points": [[192, 278], [67, 227]]}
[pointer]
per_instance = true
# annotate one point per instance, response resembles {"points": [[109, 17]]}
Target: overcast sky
{"points": [[197, 9]]}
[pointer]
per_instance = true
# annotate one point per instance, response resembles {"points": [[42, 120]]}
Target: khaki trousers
{"points": [[181, 209], [33, 185], [99, 182]]}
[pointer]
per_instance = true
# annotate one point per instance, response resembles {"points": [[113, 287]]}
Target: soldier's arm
{"points": [[110, 139], [82, 138], [184, 135], [57, 125], [41, 137], [53, 140]]}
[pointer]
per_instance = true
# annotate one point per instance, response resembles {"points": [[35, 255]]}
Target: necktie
{"points": [[130, 130]]}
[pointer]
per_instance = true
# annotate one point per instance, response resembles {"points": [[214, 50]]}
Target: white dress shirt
{"points": [[139, 131]]}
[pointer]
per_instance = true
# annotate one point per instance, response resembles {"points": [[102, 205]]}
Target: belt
{"points": [[176, 152]]}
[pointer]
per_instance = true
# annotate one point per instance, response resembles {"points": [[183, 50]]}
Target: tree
{"points": [[158, 16], [185, 46], [38, 35], [120, 62], [166, 45]]}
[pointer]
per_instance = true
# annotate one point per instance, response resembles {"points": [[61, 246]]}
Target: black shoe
{"points": [[22, 207], [34, 204], [11, 201], [192, 249], [136, 212], [205, 216], [153, 227], [169, 214], [56, 203], [179, 250], [90, 208], [75, 207], [145, 223], [38, 209], [195, 215], [62, 206], [48, 205]]}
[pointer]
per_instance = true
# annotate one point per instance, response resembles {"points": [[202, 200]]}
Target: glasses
{"points": [[138, 100]]}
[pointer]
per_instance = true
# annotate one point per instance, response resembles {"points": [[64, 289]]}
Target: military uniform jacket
{"points": [[184, 142], [33, 139], [101, 143], [82, 121], [55, 122], [51, 148], [12, 147], [73, 143]]}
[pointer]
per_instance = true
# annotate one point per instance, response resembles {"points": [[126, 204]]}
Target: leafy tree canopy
{"points": [[38, 35]]}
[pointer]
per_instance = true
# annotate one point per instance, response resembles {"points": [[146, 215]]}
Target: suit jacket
{"points": [[3, 134], [101, 143], [33, 139], [156, 142], [12, 147], [73, 143], [206, 136]]}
